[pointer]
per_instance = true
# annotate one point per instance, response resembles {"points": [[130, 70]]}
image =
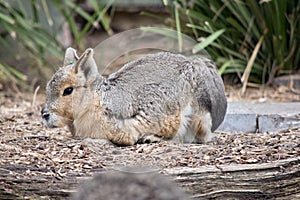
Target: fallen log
{"points": [[276, 180]]}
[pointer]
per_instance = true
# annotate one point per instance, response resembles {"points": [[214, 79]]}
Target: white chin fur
{"points": [[52, 122]]}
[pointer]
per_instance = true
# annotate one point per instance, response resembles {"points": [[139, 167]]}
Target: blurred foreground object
{"points": [[115, 185]]}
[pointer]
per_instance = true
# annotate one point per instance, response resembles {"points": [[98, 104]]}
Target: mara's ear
{"points": [[70, 56], [86, 67]]}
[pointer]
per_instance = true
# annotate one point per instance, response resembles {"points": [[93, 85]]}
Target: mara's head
{"points": [[70, 81]]}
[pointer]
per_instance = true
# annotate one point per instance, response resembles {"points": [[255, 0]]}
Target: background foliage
{"points": [[253, 39], [30, 32]]}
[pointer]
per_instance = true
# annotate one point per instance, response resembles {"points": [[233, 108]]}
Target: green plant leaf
{"points": [[178, 27], [246, 22], [208, 41], [7, 19], [163, 31], [224, 67]]}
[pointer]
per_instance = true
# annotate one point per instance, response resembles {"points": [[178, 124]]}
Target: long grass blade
{"points": [[208, 41], [7, 19], [250, 63], [178, 27]]}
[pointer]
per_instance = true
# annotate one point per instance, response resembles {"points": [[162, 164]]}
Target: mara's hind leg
{"points": [[203, 126], [163, 129]]}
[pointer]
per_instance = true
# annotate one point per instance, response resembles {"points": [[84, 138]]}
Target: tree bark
{"points": [[276, 180]]}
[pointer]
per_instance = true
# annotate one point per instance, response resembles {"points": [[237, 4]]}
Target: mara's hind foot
{"points": [[204, 128]]}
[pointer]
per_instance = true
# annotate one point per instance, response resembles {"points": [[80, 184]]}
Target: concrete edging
{"points": [[260, 117]]}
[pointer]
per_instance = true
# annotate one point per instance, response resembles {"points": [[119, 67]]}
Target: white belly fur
{"points": [[187, 130]]}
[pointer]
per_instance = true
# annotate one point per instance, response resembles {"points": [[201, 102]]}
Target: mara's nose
{"points": [[45, 113]]}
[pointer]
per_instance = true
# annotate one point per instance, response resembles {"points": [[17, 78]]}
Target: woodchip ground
{"points": [[36, 162]]}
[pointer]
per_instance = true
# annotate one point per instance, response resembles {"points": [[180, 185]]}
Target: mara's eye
{"points": [[68, 91]]}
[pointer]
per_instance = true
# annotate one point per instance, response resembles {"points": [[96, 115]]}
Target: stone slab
{"points": [[260, 117]]}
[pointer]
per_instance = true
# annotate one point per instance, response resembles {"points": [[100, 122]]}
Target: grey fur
{"points": [[168, 80]]}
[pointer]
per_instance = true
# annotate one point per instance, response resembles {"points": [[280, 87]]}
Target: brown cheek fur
{"points": [[64, 106]]}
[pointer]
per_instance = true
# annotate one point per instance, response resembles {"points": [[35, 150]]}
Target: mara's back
{"points": [[165, 83]]}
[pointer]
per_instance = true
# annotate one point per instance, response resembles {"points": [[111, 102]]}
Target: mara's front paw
{"points": [[149, 138]]}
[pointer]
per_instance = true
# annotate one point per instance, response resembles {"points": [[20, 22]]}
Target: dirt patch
{"points": [[283, 93], [38, 162]]}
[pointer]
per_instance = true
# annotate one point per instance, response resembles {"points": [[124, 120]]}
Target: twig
{"points": [[291, 86], [250, 63], [33, 105]]}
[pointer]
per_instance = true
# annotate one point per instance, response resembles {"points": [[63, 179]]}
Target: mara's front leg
{"points": [[123, 138], [123, 134], [131, 135], [149, 138]]}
